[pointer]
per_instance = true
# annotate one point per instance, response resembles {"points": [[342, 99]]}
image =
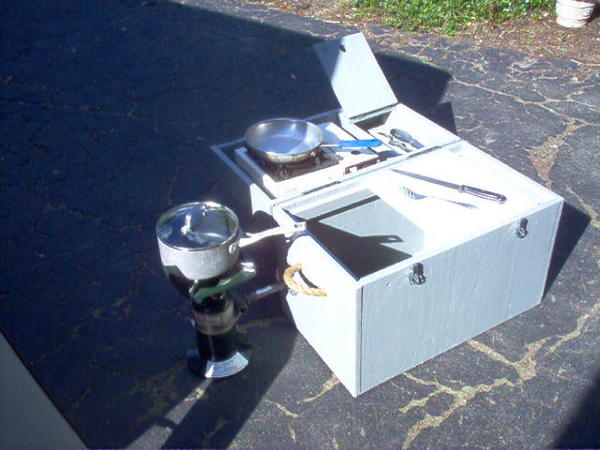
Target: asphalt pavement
{"points": [[108, 109]]}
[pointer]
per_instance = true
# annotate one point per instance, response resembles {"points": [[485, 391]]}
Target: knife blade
{"points": [[462, 188]]}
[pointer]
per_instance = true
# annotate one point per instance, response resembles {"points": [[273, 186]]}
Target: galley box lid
{"points": [[357, 80]]}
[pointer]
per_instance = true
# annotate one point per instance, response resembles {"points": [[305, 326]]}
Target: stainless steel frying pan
{"points": [[285, 141]]}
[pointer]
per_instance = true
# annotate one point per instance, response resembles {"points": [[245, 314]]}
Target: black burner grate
{"points": [[279, 172]]}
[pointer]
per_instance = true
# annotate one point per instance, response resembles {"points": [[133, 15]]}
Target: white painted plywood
{"points": [[468, 290], [356, 78], [330, 324]]}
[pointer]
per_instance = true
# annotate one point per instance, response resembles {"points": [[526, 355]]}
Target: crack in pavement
{"points": [[221, 422], [582, 321], [594, 221], [525, 368], [543, 157], [541, 104], [326, 387], [292, 434], [196, 395], [461, 396], [161, 390], [286, 412], [334, 443]]}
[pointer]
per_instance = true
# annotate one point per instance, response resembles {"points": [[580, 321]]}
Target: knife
{"points": [[463, 188]]}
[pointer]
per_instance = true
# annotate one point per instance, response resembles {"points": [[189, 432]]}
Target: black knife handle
{"points": [[488, 195], [403, 136]]}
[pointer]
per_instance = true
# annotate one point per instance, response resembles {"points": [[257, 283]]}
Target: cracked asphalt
{"points": [[108, 111]]}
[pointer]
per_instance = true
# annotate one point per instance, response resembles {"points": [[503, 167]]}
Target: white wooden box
{"points": [[406, 279], [365, 238]]}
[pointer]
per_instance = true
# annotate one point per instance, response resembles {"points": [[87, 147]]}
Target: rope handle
{"points": [[301, 288]]}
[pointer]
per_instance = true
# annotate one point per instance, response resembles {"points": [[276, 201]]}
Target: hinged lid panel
{"points": [[356, 78]]}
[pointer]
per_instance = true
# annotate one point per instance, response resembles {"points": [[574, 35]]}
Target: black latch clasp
{"points": [[416, 276], [522, 229]]}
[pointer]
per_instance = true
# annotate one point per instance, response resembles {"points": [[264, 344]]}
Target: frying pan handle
{"points": [[360, 143], [252, 238]]}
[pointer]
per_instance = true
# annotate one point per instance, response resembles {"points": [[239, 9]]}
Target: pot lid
{"points": [[357, 80], [197, 226]]}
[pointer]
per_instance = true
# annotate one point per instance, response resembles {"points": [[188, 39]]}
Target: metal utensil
{"points": [[463, 188], [424, 152], [403, 136], [413, 195], [395, 142]]}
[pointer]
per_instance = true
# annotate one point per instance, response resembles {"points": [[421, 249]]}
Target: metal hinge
{"points": [[416, 276], [374, 113], [522, 229]]}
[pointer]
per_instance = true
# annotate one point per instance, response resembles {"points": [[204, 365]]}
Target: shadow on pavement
{"points": [[420, 87], [571, 227], [596, 13], [583, 430], [109, 109]]}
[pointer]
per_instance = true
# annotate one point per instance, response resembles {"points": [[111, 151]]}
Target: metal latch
{"points": [[416, 276], [522, 228]]}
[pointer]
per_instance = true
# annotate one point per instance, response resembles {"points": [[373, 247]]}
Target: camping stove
{"points": [[322, 159], [216, 309], [326, 165], [200, 249]]}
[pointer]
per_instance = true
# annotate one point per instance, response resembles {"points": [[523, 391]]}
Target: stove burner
{"points": [[323, 158]]}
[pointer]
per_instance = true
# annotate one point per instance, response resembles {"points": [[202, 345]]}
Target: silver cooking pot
{"points": [[202, 240]]}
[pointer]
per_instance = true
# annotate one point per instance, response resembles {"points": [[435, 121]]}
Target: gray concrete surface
{"points": [[108, 108], [27, 416]]}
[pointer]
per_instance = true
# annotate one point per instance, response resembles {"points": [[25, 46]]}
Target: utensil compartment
{"points": [[421, 132]]}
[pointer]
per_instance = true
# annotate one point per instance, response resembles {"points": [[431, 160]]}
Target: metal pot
{"points": [[288, 141], [202, 240]]}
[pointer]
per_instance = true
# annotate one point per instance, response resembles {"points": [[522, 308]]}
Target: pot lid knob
{"points": [[197, 226]]}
